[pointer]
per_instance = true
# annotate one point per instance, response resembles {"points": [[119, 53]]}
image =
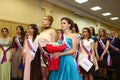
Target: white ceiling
{"points": [[112, 6]]}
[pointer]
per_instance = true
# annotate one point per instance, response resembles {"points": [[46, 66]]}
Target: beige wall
{"points": [[24, 11], [58, 13], [17, 12]]}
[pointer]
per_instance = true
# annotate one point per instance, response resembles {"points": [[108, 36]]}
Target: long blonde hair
{"points": [[104, 35]]}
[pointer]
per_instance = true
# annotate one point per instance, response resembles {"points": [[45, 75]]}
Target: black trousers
{"points": [[116, 63]]}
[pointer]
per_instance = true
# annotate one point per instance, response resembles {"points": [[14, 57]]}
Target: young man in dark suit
{"points": [[115, 52]]}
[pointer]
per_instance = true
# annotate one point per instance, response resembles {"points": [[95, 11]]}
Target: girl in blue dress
{"points": [[92, 33], [68, 69]]}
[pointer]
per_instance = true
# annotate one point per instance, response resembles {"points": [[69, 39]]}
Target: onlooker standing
{"points": [[5, 54], [60, 33], [92, 33], [115, 44], [102, 53], [75, 31], [68, 69], [29, 50], [87, 52], [119, 34], [47, 36], [17, 47]]}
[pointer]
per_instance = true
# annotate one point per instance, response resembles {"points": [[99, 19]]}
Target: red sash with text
{"points": [[89, 52], [109, 59], [4, 58], [18, 43], [114, 48], [30, 46]]}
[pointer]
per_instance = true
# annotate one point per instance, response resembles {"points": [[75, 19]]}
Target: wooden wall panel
{"points": [[11, 26], [6, 25]]}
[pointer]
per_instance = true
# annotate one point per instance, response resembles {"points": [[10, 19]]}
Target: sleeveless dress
{"points": [[68, 69], [83, 54], [30, 48], [94, 38], [100, 51], [16, 57], [5, 64]]}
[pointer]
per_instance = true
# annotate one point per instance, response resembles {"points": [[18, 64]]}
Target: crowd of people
{"points": [[25, 56]]}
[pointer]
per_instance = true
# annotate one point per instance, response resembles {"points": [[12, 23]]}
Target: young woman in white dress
{"points": [[86, 52]]}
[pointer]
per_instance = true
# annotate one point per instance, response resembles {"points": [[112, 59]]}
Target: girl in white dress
{"points": [[29, 50], [86, 51]]}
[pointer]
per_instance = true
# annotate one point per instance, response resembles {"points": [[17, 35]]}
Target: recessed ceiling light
{"points": [[114, 18], [81, 1], [95, 8], [106, 14]]}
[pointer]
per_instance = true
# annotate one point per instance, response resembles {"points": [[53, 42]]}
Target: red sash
{"points": [[114, 48], [18, 43], [89, 52], [44, 53], [4, 58], [30, 46], [53, 63], [109, 59]]}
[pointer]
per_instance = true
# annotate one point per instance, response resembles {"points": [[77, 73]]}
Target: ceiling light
{"points": [[81, 1], [114, 18], [95, 8], [106, 14]]}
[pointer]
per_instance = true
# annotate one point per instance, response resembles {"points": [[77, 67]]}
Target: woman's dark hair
{"points": [[5, 29], [35, 28], [88, 31], [93, 31], [70, 21], [76, 27], [60, 30], [22, 31]]}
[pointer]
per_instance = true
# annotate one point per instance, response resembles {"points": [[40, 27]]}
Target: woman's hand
{"points": [[10, 58], [97, 57], [101, 57], [74, 55], [56, 55], [23, 62], [23, 57]]}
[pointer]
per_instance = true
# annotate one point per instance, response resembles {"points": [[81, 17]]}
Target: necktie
{"points": [[112, 40]]}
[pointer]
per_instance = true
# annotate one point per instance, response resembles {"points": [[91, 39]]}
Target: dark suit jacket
{"points": [[115, 55], [116, 43]]}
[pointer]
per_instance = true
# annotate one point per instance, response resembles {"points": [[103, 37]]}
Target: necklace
{"points": [[47, 27]]}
